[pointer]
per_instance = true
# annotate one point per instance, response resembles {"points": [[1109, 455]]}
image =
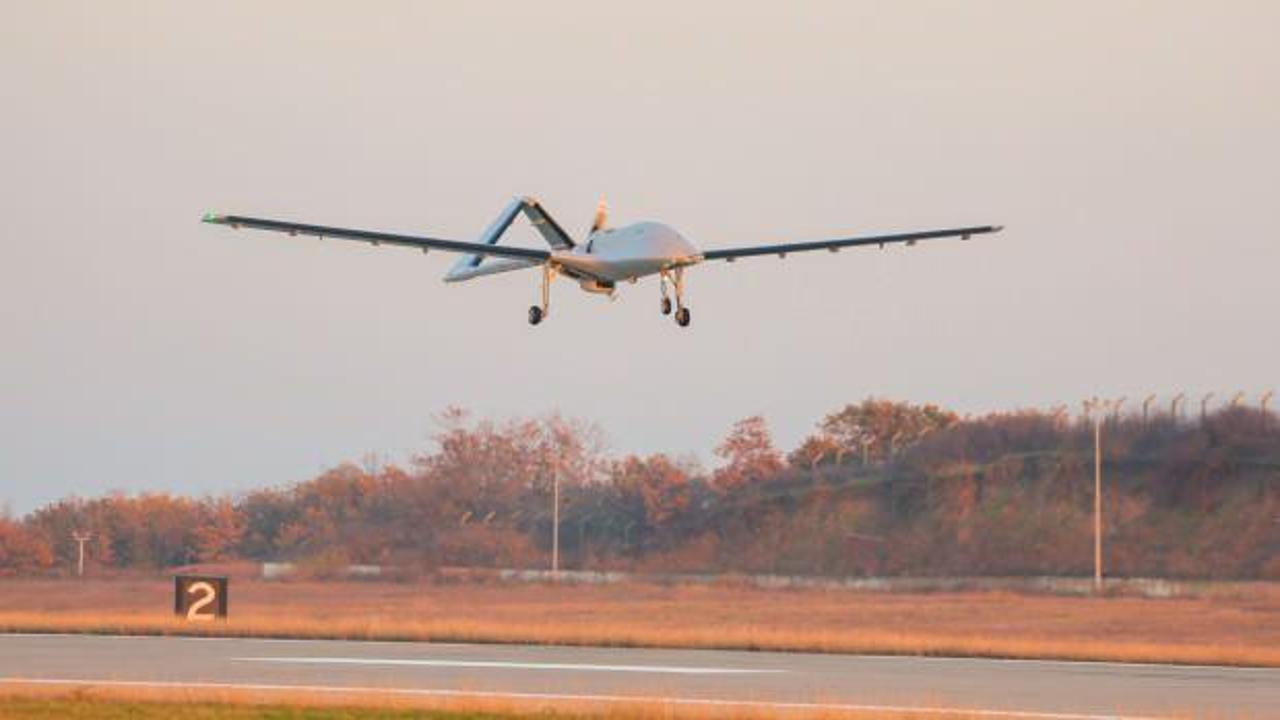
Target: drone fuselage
{"points": [[627, 253]]}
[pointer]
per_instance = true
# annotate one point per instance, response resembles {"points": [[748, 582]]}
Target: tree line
{"points": [[879, 488]]}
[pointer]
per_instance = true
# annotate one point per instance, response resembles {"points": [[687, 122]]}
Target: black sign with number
{"points": [[200, 597]]}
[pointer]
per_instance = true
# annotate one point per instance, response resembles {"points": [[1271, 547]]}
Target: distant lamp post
{"points": [[1173, 406], [555, 520], [1098, 410], [1262, 405], [1235, 400], [81, 538], [1204, 405], [1146, 404]]}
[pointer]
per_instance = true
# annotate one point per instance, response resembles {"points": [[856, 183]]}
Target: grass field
{"points": [[108, 703], [1239, 627], [22, 708]]}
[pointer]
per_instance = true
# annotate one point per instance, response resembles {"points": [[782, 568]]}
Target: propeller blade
{"points": [[602, 216]]}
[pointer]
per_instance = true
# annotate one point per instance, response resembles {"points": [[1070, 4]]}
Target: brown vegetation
{"points": [[213, 702], [1235, 626], [882, 488]]}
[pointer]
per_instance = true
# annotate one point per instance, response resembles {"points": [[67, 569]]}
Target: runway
{"points": [[997, 688]]}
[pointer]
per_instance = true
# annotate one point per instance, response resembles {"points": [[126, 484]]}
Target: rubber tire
{"points": [[535, 315], [666, 306], [683, 317]]}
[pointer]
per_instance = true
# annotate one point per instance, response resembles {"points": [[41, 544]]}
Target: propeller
{"points": [[602, 216]]}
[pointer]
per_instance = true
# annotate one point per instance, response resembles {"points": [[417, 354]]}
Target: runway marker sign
{"points": [[200, 598]]}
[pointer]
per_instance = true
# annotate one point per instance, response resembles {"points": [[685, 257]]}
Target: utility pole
{"points": [[1097, 498], [1098, 409], [81, 538], [555, 519]]}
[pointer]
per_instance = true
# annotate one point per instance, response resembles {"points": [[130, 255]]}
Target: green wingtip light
{"points": [[211, 217]]}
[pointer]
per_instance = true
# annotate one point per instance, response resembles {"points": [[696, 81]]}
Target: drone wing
{"points": [[528, 255], [910, 238]]}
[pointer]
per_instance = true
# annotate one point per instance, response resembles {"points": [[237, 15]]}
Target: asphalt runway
{"points": [[694, 677]]}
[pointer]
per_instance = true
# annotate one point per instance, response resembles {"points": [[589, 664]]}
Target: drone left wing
{"points": [[910, 238], [377, 238]]}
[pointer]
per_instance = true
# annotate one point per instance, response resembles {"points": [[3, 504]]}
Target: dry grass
{"points": [[75, 700], [1238, 628]]}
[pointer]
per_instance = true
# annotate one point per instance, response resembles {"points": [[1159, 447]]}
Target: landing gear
{"points": [[662, 286], [682, 312], [538, 312]]}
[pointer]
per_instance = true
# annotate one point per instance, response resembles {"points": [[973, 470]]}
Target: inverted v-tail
{"points": [[475, 264]]}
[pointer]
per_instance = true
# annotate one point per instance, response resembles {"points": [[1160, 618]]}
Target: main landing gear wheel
{"points": [[538, 312], [666, 306], [682, 317]]}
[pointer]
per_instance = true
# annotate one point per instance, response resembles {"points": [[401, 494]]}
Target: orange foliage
{"points": [[1005, 494], [748, 453]]}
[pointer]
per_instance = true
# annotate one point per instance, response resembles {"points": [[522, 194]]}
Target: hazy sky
{"points": [[1131, 149]]}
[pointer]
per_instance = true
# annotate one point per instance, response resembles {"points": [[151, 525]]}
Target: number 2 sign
{"points": [[198, 598]]}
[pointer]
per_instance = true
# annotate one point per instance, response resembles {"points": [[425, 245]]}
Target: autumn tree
{"points": [[56, 523], [21, 550], [877, 428], [815, 450], [748, 453], [264, 513], [643, 496], [219, 530]]}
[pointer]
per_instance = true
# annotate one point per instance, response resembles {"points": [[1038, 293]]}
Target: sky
{"points": [[1129, 148]]}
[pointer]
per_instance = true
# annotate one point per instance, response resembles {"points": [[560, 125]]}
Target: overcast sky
{"points": [[1131, 149]]}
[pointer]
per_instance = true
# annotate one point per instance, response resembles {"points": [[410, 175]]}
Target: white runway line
{"points": [[565, 697], [505, 665]]}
